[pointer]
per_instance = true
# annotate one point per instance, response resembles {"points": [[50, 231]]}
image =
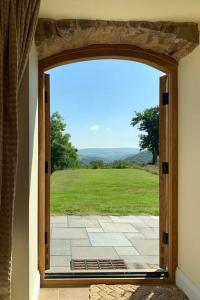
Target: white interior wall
{"points": [[25, 276], [189, 163], [156, 10], [33, 174]]}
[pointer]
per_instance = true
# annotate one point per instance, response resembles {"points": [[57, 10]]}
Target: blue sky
{"points": [[98, 98]]}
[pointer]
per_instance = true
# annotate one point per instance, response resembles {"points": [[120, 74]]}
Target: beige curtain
{"points": [[17, 27]]}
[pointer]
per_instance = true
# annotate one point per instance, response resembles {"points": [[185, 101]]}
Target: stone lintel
{"points": [[174, 39]]}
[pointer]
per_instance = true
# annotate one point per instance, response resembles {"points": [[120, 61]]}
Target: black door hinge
{"points": [[165, 98], [46, 238], [46, 96], [165, 167], [46, 167], [165, 238]]}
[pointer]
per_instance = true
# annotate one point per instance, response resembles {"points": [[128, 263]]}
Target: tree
{"points": [[97, 164], [63, 154], [119, 164], [148, 121]]}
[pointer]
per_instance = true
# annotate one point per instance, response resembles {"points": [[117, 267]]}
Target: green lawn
{"points": [[104, 192]]}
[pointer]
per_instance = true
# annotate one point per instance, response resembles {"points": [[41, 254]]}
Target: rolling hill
{"points": [[141, 158], [108, 155]]}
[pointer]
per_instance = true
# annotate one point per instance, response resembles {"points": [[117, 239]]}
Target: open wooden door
{"points": [[164, 179], [47, 170]]}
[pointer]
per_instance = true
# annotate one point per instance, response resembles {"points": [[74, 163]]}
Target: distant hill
{"points": [[108, 155], [141, 158]]}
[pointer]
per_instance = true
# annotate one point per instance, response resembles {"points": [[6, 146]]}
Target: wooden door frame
{"points": [[163, 63]]}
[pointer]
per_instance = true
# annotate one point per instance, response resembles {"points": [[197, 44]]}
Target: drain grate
{"points": [[97, 264]]}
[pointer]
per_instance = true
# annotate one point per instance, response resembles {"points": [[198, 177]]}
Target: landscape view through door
{"points": [[106, 165]]}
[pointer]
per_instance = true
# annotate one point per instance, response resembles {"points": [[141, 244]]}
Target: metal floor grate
{"points": [[97, 264]]}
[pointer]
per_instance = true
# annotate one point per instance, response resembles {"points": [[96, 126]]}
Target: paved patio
{"points": [[132, 238]]}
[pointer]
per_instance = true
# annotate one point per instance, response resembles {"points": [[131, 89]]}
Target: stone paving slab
{"points": [[142, 259], [147, 247], [128, 219], [132, 238], [150, 221], [69, 233], [60, 260], [94, 229], [98, 218], [80, 242], [117, 227], [150, 233], [59, 219], [59, 270], [108, 239], [104, 218], [126, 251], [83, 223], [60, 247], [94, 253], [60, 225]]}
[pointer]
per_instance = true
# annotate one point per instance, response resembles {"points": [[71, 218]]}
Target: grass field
{"points": [[104, 192]]}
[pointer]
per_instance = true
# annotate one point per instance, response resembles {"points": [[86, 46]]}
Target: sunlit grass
{"points": [[104, 192]]}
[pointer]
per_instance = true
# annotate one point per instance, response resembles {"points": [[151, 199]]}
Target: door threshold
{"points": [[139, 274]]}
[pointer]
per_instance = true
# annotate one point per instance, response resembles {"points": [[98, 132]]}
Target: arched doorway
{"points": [[168, 164]]}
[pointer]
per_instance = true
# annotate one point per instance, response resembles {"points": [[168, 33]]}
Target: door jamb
{"points": [[162, 62]]}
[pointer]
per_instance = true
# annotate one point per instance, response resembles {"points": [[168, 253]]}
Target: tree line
{"points": [[64, 155]]}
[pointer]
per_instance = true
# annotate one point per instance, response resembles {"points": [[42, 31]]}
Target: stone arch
{"points": [[172, 39]]}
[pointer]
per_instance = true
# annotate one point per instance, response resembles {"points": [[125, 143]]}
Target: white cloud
{"points": [[108, 129], [94, 127]]}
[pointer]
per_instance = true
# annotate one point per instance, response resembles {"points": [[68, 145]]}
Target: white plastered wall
{"points": [[25, 280], [137, 10], [25, 276], [33, 174], [189, 176]]}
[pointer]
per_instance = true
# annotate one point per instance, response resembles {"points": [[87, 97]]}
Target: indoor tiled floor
{"points": [[132, 238], [64, 294]]}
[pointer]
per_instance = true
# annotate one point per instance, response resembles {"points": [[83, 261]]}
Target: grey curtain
{"points": [[18, 20]]}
